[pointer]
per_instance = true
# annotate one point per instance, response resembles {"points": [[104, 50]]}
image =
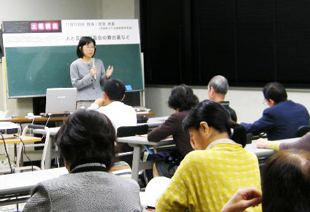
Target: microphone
{"points": [[95, 76]]}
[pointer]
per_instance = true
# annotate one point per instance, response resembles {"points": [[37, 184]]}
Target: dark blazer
{"points": [[280, 121], [232, 112]]}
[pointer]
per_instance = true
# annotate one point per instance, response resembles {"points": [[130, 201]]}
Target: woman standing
{"points": [[87, 73]]}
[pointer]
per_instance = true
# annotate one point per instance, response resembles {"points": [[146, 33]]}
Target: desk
{"points": [[138, 142], [23, 119], [156, 121], [265, 152], [20, 184], [16, 140], [19, 140], [145, 113], [152, 123]]}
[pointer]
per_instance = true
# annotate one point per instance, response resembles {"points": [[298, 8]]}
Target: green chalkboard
{"points": [[31, 70]]}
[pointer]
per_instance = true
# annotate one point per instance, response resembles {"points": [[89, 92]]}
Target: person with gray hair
{"points": [[217, 89]]}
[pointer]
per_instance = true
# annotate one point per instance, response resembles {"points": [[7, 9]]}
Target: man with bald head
{"points": [[217, 89]]}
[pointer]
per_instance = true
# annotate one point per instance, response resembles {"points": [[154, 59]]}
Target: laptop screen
{"points": [[60, 100]]}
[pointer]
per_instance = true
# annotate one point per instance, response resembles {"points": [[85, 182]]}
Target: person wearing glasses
{"points": [[282, 118], [87, 73]]}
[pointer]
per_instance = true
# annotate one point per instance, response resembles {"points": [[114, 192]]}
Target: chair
{"points": [[124, 150], [132, 130], [46, 146], [302, 130], [249, 138]]}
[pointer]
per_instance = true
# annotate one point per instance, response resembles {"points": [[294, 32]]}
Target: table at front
{"points": [[138, 142], [18, 185]]}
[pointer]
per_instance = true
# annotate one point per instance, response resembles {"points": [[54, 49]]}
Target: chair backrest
{"points": [[302, 130], [249, 138], [124, 150], [132, 130], [46, 146]]}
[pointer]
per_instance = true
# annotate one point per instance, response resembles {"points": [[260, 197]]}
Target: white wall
{"points": [[119, 9], [248, 103], [57, 10]]}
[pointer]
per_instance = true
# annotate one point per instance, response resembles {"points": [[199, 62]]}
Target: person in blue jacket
{"points": [[282, 118]]}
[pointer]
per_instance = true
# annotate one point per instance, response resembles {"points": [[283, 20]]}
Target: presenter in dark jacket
{"points": [[181, 99], [86, 142], [283, 117]]}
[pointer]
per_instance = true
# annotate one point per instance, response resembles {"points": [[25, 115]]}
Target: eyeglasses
{"points": [[89, 47]]}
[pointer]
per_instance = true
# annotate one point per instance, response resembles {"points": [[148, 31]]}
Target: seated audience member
{"points": [[113, 107], [209, 176], [302, 143], [86, 142], [181, 99], [217, 89], [285, 185], [283, 117]]}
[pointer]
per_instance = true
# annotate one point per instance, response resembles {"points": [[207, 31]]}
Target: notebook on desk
{"points": [[60, 102]]}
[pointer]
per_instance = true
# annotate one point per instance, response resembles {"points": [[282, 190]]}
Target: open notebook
{"points": [[60, 101]]}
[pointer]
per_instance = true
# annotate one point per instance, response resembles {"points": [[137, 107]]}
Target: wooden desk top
{"points": [[24, 119], [145, 114], [16, 140]]}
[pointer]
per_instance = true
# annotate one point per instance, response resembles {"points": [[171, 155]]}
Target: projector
{"points": [[9, 129]]}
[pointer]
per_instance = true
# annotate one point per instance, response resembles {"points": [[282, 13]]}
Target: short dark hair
{"points": [[115, 89], [87, 136], [219, 84], [275, 91], [84, 41], [182, 98], [286, 182], [216, 116]]}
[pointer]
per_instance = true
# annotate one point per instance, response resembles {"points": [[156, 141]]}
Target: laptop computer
{"points": [[60, 101]]}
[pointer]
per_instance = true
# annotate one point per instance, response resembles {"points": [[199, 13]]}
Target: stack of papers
{"points": [[141, 109], [153, 190]]}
